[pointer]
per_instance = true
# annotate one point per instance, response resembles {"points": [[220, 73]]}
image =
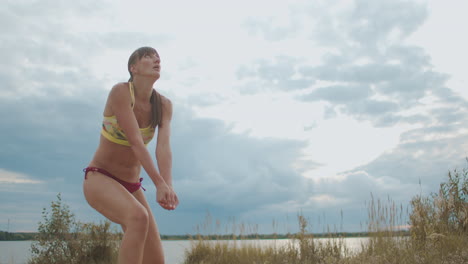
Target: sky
{"points": [[280, 107]]}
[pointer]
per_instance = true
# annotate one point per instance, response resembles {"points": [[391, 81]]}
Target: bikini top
{"points": [[113, 132]]}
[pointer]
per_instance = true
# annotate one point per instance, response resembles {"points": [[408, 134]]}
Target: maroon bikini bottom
{"points": [[130, 186]]}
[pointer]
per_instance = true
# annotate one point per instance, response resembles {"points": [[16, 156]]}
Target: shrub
{"points": [[61, 239]]}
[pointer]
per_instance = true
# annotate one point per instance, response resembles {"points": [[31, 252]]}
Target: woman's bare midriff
{"points": [[117, 159]]}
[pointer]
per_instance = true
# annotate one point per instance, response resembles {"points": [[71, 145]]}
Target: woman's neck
{"points": [[143, 88]]}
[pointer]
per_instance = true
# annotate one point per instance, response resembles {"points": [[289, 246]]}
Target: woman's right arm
{"points": [[121, 107]]}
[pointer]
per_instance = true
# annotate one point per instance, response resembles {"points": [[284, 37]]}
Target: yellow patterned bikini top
{"points": [[113, 132]]}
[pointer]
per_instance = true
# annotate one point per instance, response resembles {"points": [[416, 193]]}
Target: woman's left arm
{"points": [[163, 147]]}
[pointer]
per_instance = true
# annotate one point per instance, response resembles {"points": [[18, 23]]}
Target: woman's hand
{"points": [[166, 197]]}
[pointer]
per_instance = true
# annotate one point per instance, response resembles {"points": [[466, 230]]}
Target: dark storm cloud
{"points": [[51, 140], [216, 167]]}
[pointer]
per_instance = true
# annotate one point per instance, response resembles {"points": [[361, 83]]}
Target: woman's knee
{"points": [[138, 218]]}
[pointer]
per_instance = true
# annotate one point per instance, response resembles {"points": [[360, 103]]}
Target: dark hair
{"points": [[156, 104]]}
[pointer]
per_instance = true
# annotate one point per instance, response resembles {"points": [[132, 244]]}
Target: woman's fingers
{"points": [[165, 205], [162, 200], [169, 201], [176, 199]]}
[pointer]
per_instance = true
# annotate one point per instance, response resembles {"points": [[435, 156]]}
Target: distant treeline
{"points": [[273, 236], [7, 236]]}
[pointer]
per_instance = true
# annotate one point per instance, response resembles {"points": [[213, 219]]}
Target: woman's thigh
{"points": [[110, 198]]}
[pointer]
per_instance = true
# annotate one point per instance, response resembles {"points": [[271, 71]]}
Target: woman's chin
{"points": [[153, 75]]}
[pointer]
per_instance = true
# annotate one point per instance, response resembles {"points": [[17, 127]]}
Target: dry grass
{"points": [[438, 235]]}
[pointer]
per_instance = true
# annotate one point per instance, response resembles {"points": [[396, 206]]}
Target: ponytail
{"points": [[156, 109]]}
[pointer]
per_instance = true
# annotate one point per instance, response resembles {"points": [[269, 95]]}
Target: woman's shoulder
{"points": [[119, 94], [119, 89]]}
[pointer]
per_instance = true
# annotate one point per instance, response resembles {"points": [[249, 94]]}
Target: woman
{"points": [[112, 185]]}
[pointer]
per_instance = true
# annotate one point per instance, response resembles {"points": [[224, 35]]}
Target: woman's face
{"points": [[149, 66]]}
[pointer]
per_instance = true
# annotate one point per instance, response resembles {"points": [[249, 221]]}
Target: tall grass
{"points": [[438, 234]]}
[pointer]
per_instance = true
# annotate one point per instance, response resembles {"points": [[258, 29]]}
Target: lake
{"points": [[17, 252]]}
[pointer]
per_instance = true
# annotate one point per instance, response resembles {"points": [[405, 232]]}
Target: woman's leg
{"points": [[113, 201], [153, 252]]}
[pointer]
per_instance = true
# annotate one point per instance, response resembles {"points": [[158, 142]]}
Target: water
{"points": [[17, 252]]}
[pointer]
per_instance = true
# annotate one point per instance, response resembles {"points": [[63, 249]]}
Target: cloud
{"points": [[205, 100], [426, 152], [425, 161], [48, 99], [51, 90], [57, 55], [370, 73], [339, 93], [16, 178], [279, 73], [42, 59], [54, 111], [217, 167], [371, 22], [51, 138], [271, 28], [367, 71], [127, 40]]}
